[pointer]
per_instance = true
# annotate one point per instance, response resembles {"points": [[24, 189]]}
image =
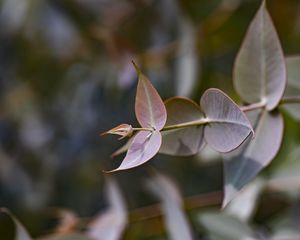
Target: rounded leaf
{"points": [[184, 141], [227, 125]]}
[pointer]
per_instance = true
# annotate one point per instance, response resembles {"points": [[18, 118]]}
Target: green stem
{"points": [[253, 106], [285, 100], [186, 124], [143, 129], [290, 100]]}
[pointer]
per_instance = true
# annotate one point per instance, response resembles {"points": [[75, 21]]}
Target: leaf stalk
{"points": [[186, 124]]}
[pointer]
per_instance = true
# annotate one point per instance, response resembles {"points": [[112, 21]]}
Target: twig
{"points": [[194, 202]]}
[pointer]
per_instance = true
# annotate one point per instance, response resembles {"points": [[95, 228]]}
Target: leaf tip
{"points": [[137, 69]]}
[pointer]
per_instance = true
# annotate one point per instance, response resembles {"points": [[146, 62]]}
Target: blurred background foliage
{"points": [[66, 75]]}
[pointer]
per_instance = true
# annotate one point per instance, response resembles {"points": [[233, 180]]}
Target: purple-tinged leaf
{"points": [[150, 110], [20, 231], [143, 147], [111, 224], [184, 141], [293, 86], [243, 164], [227, 125], [259, 72], [175, 219]]}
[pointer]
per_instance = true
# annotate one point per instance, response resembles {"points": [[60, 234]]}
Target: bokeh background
{"points": [[66, 76]]}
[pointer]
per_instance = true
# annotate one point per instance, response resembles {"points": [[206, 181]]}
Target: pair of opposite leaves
{"points": [[180, 127]]}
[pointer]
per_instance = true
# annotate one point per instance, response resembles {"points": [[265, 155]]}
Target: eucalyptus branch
{"points": [[247, 108]]}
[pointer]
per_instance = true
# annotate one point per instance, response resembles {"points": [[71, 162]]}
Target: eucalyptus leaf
{"points": [[20, 231], [143, 147], [259, 71], [227, 125], [175, 219], [243, 164], [111, 224], [293, 86], [149, 107], [184, 141]]}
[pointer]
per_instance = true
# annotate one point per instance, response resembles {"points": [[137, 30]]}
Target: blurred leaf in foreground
{"points": [[175, 219], [111, 224]]}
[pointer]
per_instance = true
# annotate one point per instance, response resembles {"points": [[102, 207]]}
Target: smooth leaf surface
{"points": [[143, 147], [228, 126], [184, 141], [111, 224], [243, 164], [175, 219], [225, 227], [259, 72], [293, 86], [149, 107], [20, 232]]}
